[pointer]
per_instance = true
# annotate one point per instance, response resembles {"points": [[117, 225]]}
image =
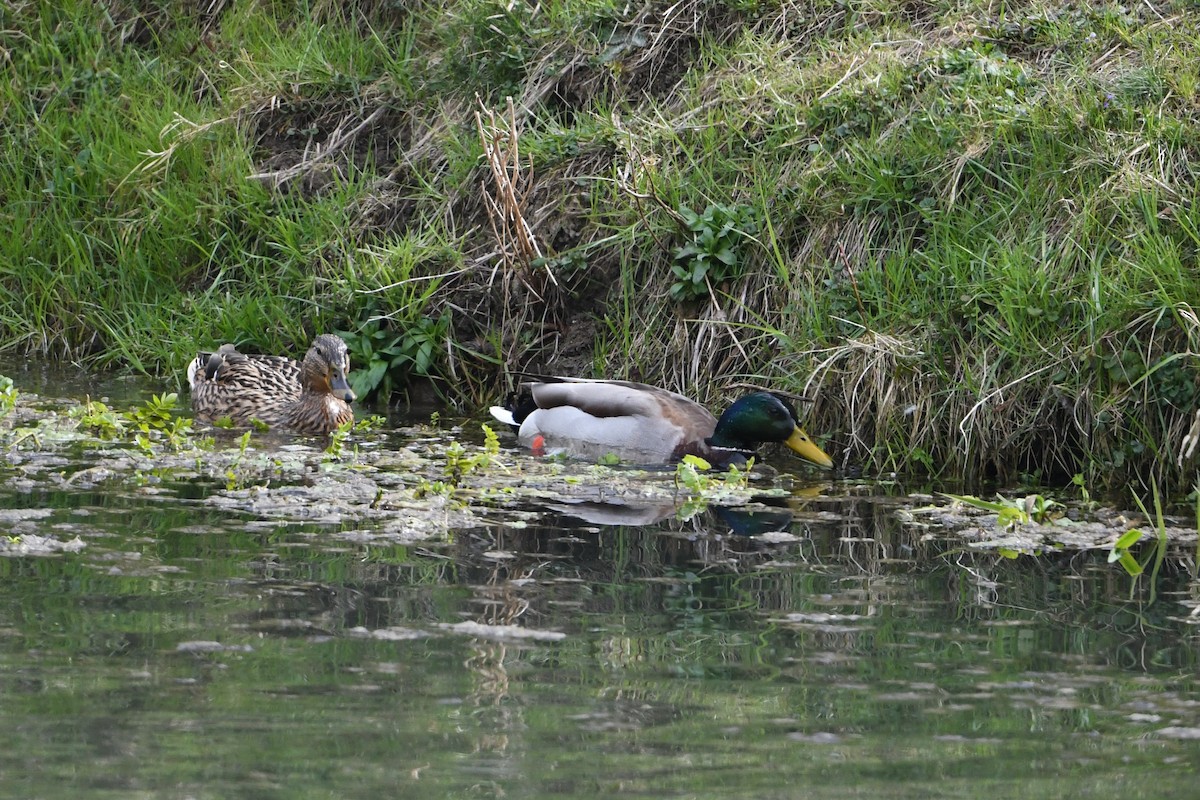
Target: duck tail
{"points": [[504, 415], [517, 406]]}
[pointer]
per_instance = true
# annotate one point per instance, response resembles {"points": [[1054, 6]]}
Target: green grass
{"points": [[974, 240]]}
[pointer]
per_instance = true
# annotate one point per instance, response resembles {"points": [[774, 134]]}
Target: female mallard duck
{"points": [[648, 425], [311, 396]]}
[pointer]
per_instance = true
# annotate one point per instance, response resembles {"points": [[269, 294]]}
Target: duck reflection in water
{"points": [[738, 520]]}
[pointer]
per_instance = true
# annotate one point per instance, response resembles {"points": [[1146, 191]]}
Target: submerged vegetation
{"points": [[967, 232]]}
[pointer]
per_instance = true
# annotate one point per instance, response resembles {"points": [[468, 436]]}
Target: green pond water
{"points": [[815, 645]]}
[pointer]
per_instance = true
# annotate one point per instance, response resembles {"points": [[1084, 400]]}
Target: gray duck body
{"points": [[648, 425], [592, 418]]}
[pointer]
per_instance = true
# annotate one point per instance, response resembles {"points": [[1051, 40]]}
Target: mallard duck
{"points": [[648, 425], [310, 396]]}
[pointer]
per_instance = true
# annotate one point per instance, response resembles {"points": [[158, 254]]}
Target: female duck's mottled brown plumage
{"points": [[648, 425], [311, 396]]}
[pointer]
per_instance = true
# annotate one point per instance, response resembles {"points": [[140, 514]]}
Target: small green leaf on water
{"points": [[1011, 517], [1130, 564], [1128, 539], [697, 462], [1008, 552]]}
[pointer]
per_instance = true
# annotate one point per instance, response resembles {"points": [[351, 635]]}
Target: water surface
{"points": [[815, 646]]}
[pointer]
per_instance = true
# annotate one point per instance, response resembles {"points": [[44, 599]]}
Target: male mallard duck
{"points": [[311, 396], [648, 425]]}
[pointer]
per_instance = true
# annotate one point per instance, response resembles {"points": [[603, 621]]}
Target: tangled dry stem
{"points": [[512, 182], [530, 290]]}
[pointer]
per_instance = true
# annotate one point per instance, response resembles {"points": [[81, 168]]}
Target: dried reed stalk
{"points": [[518, 246]]}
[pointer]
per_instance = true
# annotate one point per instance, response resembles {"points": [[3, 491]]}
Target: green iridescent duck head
{"points": [[765, 417]]}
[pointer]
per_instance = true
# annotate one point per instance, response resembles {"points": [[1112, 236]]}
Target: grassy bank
{"points": [[966, 232]]}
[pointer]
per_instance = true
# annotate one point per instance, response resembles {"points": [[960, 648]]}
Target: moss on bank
{"points": [[967, 232]]}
